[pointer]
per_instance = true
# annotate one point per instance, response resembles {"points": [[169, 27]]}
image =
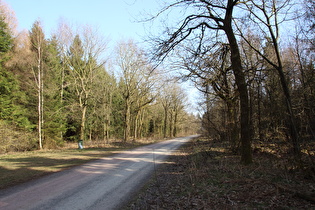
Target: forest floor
{"points": [[205, 175]]}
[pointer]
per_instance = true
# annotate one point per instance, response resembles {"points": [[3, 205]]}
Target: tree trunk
{"points": [[165, 122], [171, 125], [259, 101], [40, 114], [175, 124], [83, 119], [136, 128], [287, 95], [246, 153], [105, 138], [40, 99], [293, 127], [231, 125], [142, 117], [127, 121]]}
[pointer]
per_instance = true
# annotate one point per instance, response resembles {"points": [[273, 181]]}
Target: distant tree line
{"points": [[66, 88]]}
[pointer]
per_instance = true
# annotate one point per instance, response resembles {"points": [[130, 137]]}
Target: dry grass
{"points": [[205, 175], [18, 167]]}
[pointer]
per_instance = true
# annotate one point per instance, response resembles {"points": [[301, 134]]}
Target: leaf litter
{"points": [[205, 175]]}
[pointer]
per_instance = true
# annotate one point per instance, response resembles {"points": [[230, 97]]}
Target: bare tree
{"points": [[64, 36], [205, 16], [86, 57], [309, 6], [212, 75], [138, 83], [127, 60], [267, 16], [165, 99], [9, 17], [178, 100]]}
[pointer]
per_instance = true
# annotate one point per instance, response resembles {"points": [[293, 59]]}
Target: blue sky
{"points": [[116, 19]]}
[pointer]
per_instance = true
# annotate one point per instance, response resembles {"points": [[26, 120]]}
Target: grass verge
{"points": [[205, 175], [19, 167]]}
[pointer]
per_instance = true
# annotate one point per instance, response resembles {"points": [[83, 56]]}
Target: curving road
{"points": [[107, 183]]}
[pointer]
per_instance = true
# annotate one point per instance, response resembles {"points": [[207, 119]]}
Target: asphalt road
{"points": [[107, 183]]}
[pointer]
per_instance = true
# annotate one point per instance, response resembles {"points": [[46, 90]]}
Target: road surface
{"points": [[107, 183]]}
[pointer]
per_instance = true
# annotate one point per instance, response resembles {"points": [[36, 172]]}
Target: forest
{"points": [[67, 88], [252, 61]]}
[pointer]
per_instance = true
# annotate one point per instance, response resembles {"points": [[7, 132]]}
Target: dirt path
{"points": [[107, 183]]}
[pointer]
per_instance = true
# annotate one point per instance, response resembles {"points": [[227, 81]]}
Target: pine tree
{"points": [[5, 40], [54, 115], [11, 97]]}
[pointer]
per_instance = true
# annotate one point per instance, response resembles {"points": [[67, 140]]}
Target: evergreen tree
{"points": [[54, 106], [6, 41], [11, 98]]}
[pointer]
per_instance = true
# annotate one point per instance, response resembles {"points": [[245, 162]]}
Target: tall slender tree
{"points": [[37, 38]]}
